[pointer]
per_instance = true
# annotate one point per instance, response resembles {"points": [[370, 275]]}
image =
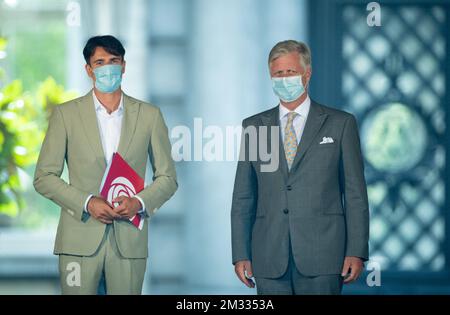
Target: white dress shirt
{"points": [[299, 121], [110, 127]]}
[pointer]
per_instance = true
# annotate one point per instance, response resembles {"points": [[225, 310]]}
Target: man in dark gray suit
{"points": [[303, 228]]}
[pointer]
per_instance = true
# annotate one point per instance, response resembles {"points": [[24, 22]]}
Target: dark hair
{"points": [[107, 42]]}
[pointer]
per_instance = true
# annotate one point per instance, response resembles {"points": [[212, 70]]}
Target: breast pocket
{"points": [[326, 146], [331, 203], [324, 156], [260, 211], [333, 211]]}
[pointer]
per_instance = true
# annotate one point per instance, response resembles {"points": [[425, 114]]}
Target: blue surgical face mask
{"points": [[288, 89], [108, 78]]}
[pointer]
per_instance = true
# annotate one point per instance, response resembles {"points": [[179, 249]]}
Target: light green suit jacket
{"points": [[73, 137]]}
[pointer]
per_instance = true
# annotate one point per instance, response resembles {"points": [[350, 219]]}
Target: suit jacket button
{"points": [[286, 211], [289, 187]]}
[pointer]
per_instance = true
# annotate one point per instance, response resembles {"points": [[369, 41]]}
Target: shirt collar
{"points": [[302, 109], [100, 107]]}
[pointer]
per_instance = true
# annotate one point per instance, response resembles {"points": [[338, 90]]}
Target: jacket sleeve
{"points": [[164, 182], [243, 209], [50, 165], [355, 192]]}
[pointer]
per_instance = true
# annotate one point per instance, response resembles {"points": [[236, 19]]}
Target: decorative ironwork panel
{"points": [[393, 80]]}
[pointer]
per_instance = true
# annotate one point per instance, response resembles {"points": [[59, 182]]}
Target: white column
{"points": [[76, 77], [230, 42], [103, 15], [137, 49]]}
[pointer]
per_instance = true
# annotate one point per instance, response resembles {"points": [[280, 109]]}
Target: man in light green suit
{"points": [[94, 239]]}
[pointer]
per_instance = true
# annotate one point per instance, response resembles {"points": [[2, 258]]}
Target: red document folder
{"points": [[122, 180]]}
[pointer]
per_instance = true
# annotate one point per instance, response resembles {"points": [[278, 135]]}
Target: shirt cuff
{"points": [[86, 203], [142, 210]]}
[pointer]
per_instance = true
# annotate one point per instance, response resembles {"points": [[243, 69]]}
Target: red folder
{"points": [[122, 180]]}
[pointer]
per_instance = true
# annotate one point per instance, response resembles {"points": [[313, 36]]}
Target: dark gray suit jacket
{"points": [[321, 204]]}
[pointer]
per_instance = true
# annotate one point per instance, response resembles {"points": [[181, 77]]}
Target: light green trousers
{"points": [[82, 274]]}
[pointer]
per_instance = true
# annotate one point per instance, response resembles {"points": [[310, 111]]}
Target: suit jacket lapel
{"points": [[89, 121], [272, 118], [315, 120], [129, 120]]}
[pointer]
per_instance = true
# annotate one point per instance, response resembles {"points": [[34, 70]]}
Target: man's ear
{"points": [[89, 71], [124, 64], [308, 72], [307, 75]]}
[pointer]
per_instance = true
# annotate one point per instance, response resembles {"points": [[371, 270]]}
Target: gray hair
{"points": [[288, 46]]}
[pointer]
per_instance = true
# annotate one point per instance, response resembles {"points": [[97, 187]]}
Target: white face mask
{"points": [[288, 89]]}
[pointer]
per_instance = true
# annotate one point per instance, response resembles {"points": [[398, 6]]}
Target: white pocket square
{"points": [[327, 140]]}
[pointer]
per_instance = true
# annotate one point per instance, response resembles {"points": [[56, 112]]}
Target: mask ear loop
{"points": [[307, 83]]}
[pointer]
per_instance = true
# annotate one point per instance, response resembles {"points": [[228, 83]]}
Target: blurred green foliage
{"points": [[47, 46], [23, 122]]}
